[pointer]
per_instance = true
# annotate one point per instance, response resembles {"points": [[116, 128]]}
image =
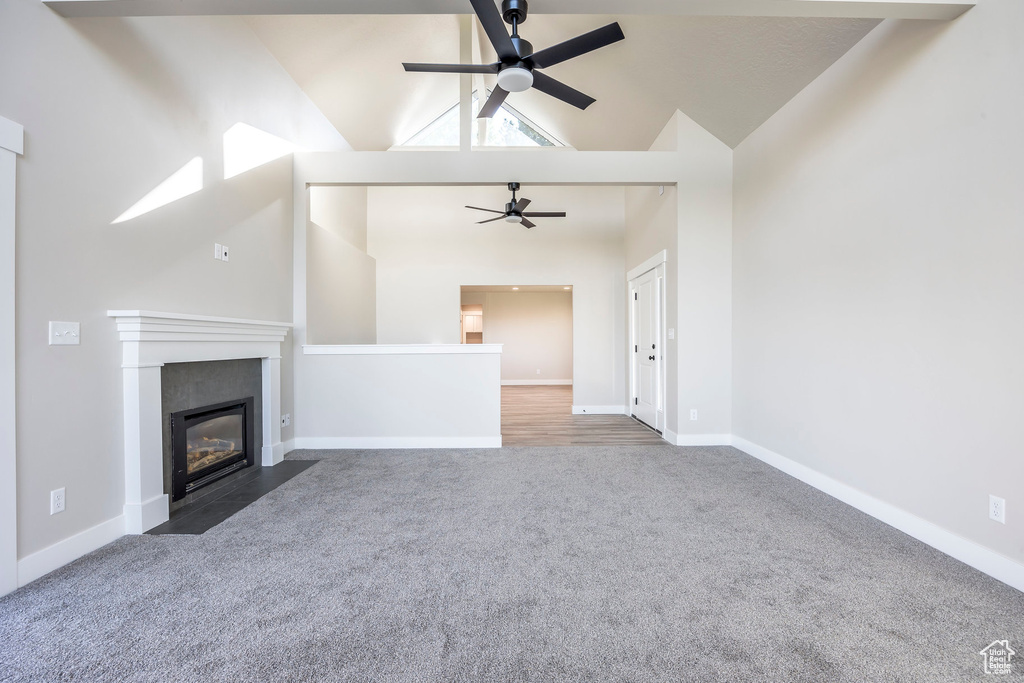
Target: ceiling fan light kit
{"points": [[515, 79], [517, 63]]}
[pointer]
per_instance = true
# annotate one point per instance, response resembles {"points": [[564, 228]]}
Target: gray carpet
{"points": [[519, 564]]}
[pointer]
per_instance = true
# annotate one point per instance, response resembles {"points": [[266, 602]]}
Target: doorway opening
{"points": [[532, 322]]}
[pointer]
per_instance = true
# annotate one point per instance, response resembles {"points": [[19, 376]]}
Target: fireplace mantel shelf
{"points": [[150, 340], [151, 326]]}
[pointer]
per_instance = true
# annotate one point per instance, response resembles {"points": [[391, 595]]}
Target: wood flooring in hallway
{"points": [[542, 416]]}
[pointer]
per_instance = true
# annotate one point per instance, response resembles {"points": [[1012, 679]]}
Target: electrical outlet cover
{"points": [[57, 501], [997, 509]]}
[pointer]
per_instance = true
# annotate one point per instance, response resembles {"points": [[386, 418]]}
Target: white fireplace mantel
{"points": [[149, 340]]}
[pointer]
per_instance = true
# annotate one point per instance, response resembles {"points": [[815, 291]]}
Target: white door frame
{"points": [[12, 143], [656, 263]]}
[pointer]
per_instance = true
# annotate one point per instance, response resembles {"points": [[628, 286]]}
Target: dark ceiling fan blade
{"points": [[494, 26], [493, 102], [545, 214], [453, 68], [483, 209], [491, 220], [527, 224], [561, 91], [580, 45], [521, 204]]}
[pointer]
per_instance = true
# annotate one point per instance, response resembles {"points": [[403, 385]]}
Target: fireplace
{"points": [[209, 443], [152, 342]]}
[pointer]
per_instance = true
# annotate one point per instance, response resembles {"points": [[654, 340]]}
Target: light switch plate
{"points": [[65, 334], [671, 333]]}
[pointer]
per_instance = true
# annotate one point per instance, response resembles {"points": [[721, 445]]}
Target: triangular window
{"points": [[507, 128], [441, 132]]}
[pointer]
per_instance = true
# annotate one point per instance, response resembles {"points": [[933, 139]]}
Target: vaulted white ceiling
{"points": [[729, 74]]}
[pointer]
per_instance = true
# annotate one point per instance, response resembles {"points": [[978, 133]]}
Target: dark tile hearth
{"points": [[203, 516]]}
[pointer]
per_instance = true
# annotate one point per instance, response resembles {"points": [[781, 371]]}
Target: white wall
{"points": [[535, 331], [112, 107], [427, 246], [388, 397], [878, 278], [704, 333], [341, 282]]}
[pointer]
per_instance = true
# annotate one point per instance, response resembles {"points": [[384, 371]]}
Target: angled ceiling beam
{"points": [[863, 9]]}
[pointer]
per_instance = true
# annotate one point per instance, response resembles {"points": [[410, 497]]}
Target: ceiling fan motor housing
{"points": [[523, 47], [517, 76]]}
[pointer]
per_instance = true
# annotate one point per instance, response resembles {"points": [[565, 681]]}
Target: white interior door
{"points": [[647, 356]]}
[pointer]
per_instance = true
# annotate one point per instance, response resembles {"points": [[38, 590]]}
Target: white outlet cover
{"points": [[997, 509], [224, 253], [57, 501], [671, 333], [65, 334], [693, 413]]}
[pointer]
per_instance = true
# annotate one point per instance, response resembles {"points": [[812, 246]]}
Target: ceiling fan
{"points": [[516, 68], [514, 213]]}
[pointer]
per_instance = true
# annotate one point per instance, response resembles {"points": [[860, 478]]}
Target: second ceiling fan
{"points": [[518, 63], [514, 211]]}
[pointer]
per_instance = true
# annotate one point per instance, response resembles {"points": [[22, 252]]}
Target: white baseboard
{"points": [[273, 454], [138, 519], [375, 442], [981, 558], [289, 446], [702, 439], [535, 382], [599, 410], [70, 549]]}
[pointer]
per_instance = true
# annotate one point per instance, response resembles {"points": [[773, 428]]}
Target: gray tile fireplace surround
{"points": [[192, 385]]}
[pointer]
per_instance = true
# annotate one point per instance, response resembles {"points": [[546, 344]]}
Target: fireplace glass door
{"points": [[213, 442], [208, 443]]}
